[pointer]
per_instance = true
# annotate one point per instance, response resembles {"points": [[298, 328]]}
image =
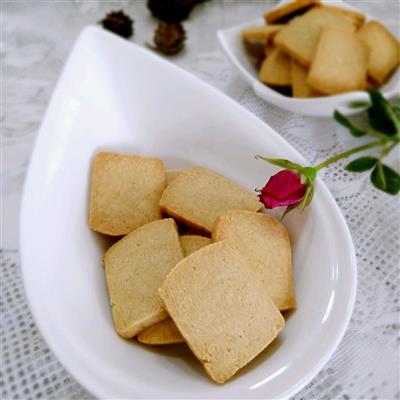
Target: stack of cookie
{"points": [[220, 286], [312, 49]]}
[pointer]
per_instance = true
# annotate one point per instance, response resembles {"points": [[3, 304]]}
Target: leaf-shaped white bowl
{"points": [[115, 95]]}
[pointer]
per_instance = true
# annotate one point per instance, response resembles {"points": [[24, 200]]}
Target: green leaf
{"points": [[354, 129], [280, 162], [396, 110], [310, 173], [288, 210], [382, 116], [307, 198], [361, 164], [378, 177], [359, 104], [386, 179]]}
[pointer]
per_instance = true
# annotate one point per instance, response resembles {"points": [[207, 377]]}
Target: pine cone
{"points": [[119, 23], [170, 38]]}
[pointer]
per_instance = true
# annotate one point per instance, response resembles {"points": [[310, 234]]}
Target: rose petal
{"points": [[283, 189], [284, 184], [269, 202]]}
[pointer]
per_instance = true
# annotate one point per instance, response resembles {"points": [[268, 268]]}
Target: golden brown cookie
{"points": [[300, 37], [340, 63], [275, 69], [198, 196], [289, 10], [261, 33], [300, 88], [135, 268], [221, 308], [384, 50], [172, 174], [166, 332], [161, 333], [266, 240], [125, 192], [356, 17]]}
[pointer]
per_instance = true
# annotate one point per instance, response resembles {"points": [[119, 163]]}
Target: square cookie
{"points": [[166, 332], [288, 11], [125, 192], [135, 268], [275, 69], [340, 63], [300, 37], [266, 241], [197, 196], [384, 50], [221, 308]]}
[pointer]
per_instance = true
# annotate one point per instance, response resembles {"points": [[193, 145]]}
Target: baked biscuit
{"points": [[300, 88], [196, 232], [198, 196], [261, 33], [356, 17], [287, 11], [166, 332], [221, 308], [300, 37], [192, 243], [384, 50], [161, 333], [172, 174], [268, 49], [340, 63], [275, 69], [266, 240], [125, 192], [135, 268]]}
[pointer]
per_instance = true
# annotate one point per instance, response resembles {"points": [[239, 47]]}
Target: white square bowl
{"points": [[232, 44], [115, 95]]}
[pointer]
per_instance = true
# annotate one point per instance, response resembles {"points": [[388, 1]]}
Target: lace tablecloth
{"points": [[36, 39]]}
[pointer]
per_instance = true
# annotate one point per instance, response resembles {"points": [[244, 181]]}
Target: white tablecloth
{"points": [[36, 39]]}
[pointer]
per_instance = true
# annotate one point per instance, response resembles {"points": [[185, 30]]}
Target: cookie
{"points": [[161, 333], [172, 174], [275, 69], [356, 17], [384, 50], [125, 192], [300, 37], [288, 11], [300, 88], [261, 33], [135, 267], [340, 63], [221, 308], [192, 243], [198, 196], [266, 240], [166, 332]]}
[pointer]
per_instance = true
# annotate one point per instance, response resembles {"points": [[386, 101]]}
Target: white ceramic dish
{"points": [[231, 42], [115, 95]]}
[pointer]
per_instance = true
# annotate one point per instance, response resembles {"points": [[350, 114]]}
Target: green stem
{"points": [[349, 153], [376, 133], [387, 150]]}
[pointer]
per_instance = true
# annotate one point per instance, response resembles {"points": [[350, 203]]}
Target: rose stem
{"points": [[349, 153]]}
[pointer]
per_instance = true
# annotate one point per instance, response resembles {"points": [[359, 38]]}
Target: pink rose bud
{"points": [[283, 189]]}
